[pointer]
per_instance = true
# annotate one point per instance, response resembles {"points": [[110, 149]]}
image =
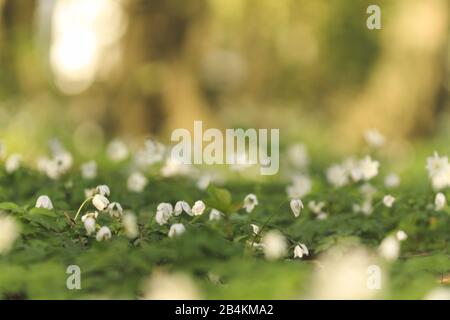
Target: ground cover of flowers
{"points": [[141, 226]]}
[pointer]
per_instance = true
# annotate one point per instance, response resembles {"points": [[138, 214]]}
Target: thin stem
{"points": [[81, 207]]}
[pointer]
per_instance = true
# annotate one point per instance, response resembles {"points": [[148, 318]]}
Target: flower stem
{"points": [[81, 207]]}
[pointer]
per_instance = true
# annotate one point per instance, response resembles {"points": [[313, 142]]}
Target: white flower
{"points": [[300, 250], [440, 201], [388, 201], [316, 207], [166, 286], [9, 232], [374, 138], [63, 162], [250, 202], [13, 163], [163, 213], [367, 207], [103, 190], [255, 229], [44, 202], [115, 210], [103, 234], [89, 221], [337, 175], [392, 181], [401, 235], [275, 246], [298, 156], [117, 150], [368, 168], [198, 208], [89, 193], [436, 165], [137, 182], [152, 153], [181, 206], [204, 181], [296, 206], [130, 225], [301, 186], [322, 216], [215, 215], [173, 167], [176, 229], [389, 248], [89, 170], [100, 202], [438, 294]]}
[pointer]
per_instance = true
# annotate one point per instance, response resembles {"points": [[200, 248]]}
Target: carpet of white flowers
{"points": [[140, 226]]}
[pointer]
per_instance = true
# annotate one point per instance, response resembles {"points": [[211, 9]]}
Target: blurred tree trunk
{"points": [[159, 88], [401, 97]]}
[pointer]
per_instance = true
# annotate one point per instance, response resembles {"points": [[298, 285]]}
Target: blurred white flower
{"points": [[368, 191], [374, 138], [388, 201], [9, 232], [89, 221], [215, 215], [440, 201], [181, 206], [436, 165], [63, 162], [300, 250], [367, 207], [100, 202], [296, 206], [117, 150], [89, 170], [438, 294], [103, 190], [13, 163], [44, 202], [130, 225], [255, 229], [389, 248], [369, 168], [401, 235], [176, 229], [163, 213], [198, 208], [337, 175], [301, 186], [137, 182], [343, 275], [115, 210], [152, 153], [322, 216], [250, 202], [275, 246], [89, 193], [165, 286], [392, 180], [316, 207], [298, 156], [103, 234], [204, 181], [174, 167]]}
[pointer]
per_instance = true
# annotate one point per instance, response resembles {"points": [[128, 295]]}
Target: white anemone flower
{"points": [[215, 215], [115, 210], [250, 202], [337, 175], [389, 248], [301, 186], [440, 201], [117, 150], [130, 225], [176, 229], [198, 208], [374, 138], [89, 221], [103, 190], [9, 232], [401, 235], [163, 213], [100, 202], [296, 206], [181, 206], [388, 201], [392, 180], [13, 163], [103, 234], [137, 182], [44, 202], [300, 250], [275, 246], [89, 170]]}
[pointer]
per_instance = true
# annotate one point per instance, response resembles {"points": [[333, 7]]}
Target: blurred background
{"points": [[88, 71]]}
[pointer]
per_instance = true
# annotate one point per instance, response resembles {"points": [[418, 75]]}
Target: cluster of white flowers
{"points": [[352, 169], [438, 171], [152, 152], [317, 209], [58, 164]]}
